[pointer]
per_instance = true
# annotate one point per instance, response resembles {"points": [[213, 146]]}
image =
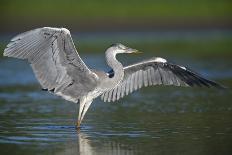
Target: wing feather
{"points": [[119, 91], [123, 89], [54, 60], [157, 71]]}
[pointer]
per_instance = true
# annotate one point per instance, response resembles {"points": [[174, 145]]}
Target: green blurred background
{"points": [[209, 22], [93, 15]]}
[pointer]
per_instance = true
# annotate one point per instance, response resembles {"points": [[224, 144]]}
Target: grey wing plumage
{"points": [[155, 71], [54, 60]]}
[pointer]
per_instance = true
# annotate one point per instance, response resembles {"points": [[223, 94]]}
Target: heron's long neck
{"points": [[116, 66]]}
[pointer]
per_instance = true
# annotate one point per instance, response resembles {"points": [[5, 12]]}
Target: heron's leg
{"points": [[84, 106], [81, 107]]}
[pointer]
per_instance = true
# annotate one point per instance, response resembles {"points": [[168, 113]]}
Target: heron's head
{"points": [[120, 48]]}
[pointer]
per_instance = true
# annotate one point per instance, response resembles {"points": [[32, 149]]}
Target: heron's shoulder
{"points": [[100, 74]]}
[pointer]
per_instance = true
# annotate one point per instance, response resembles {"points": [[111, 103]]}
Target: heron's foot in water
{"points": [[78, 125]]}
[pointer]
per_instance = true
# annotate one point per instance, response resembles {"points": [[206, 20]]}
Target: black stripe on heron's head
{"points": [[115, 45]]}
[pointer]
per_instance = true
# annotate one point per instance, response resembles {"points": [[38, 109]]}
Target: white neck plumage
{"points": [[116, 66]]}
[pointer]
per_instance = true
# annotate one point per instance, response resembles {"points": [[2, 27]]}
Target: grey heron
{"points": [[60, 70]]}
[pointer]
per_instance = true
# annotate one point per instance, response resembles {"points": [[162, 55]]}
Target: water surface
{"points": [[155, 120]]}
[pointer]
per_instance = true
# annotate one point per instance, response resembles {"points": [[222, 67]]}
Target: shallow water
{"points": [[156, 120]]}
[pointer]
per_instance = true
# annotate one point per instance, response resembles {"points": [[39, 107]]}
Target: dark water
{"points": [[156, 120]]}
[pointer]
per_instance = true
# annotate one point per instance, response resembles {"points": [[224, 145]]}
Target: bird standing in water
{"points": [[60, 70]]}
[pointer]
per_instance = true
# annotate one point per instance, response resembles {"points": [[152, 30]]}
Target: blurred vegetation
{"points": [[73, 9], [92, 15], [220, 47]]}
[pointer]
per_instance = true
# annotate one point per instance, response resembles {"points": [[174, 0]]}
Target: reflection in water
{"points": [[84, 146], [106, 147]]}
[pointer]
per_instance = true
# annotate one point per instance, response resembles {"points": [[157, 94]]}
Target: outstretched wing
{"points": [[54, 60], [155, 71]]}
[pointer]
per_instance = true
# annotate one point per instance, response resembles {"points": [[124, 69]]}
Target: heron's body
{"points": [[60, 70]]}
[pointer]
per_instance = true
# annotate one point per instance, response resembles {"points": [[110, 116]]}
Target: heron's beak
{"points": [[133, 51], [137, 52]]}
